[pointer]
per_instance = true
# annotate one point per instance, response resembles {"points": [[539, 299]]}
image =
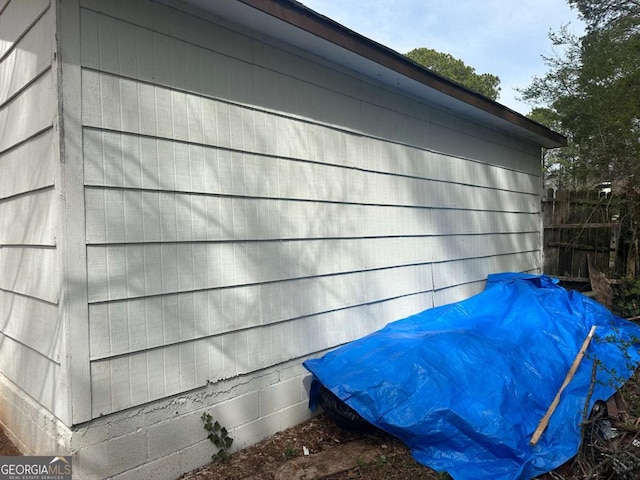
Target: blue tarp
{"points": [[465, 385]]}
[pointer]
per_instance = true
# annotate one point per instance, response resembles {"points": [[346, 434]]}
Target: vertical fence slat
{"points": [[580, 223]]}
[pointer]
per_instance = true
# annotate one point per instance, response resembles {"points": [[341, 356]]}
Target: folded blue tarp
{"points": [[465, 385]]}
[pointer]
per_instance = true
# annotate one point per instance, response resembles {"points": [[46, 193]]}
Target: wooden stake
{"points": [[544, 422]]}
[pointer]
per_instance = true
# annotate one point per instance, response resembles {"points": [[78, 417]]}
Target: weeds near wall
{"points": [[290, 451], [219, 436], [626, 298]]}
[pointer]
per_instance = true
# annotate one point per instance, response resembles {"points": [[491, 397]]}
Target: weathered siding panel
{"points": [[246, 205], [36, 374], [16, 19], [30, 271], [28, 167], [28, 59], [29, 219], [28, 114], [30, 324]]}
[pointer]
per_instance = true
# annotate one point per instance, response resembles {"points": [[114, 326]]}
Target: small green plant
{"points": [[381, 460], [626, 298], [289, 451], [219, 436]]}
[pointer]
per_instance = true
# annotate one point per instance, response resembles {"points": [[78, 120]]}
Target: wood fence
{"points": [[579, 226]]}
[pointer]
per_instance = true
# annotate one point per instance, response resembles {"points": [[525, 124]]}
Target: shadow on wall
{"points": [[238, 217]]}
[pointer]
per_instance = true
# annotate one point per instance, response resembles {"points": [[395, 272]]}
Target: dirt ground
{"points": [[355, 456], [337, 454], [6, 447], [334, 454]]}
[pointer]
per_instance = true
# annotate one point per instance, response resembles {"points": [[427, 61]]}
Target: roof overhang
{"points": [[292, 23]]}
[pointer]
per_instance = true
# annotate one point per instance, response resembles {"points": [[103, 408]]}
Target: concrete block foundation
{"points": [[163, 439]]}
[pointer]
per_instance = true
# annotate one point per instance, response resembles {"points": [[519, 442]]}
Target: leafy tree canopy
{"points": [[603, 14], [561, 166], [456, 70], [591, 93], [593, 90]]}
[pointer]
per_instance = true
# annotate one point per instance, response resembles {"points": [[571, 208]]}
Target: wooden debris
{"points": [[599, 284], [612, 408], [554, 404]]}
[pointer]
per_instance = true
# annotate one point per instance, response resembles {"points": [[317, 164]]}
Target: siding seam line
{"points": [[27, 29], [17, 145], [289, 117], [29, 347]]}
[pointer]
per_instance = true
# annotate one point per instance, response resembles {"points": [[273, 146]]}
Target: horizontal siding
{"points": [[16, 19], [27, 114], [28, 58], [197, 122], [30, 271], [28, 167], [120, 382], [133, 270], [37, 375], [29, 219], [30, 326], [188, 365], [133, 216], [178, 50], [246, 206], [458, 272], [148, 322], [31, 322]]}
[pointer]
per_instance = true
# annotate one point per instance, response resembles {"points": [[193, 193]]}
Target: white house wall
{"points": [[247, 205], [30, 327]]}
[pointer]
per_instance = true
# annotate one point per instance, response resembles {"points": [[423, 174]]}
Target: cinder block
{"points": [[110, 458], [42, 442], [166, 468], [294, 415], [33, 429], [278, 396], [255, 431], [238, 411], [196, 456], [175, 434]]}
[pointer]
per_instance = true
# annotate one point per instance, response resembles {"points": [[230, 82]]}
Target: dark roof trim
{"points": [[296, 14]]}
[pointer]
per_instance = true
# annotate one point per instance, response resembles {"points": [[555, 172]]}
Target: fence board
{"points": [[577, 224]]}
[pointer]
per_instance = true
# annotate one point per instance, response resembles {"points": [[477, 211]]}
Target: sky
{"points": [[506, 38]]}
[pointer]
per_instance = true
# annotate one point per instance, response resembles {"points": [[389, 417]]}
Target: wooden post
{"points": [[554, 404], [613, 247]]}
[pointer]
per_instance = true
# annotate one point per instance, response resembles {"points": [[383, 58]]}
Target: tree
{"points": [[602, 14], [561, 166], [594, 90], [456, 70], [592, 93]]}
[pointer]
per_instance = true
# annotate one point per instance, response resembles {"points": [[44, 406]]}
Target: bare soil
{"points": [[333, 454], [7, 449]]}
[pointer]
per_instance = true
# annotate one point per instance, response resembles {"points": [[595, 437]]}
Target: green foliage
{"points": [[626, 298], [561, 166], [219, 436], [289, 451], [603, 13], [456, 70], [381, 460], [593, 89]]}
